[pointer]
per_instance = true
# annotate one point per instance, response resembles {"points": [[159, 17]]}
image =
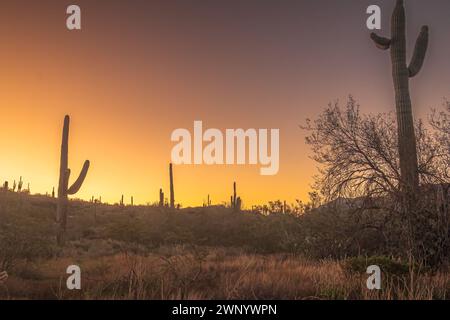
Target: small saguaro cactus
{"points": [[63, 188], [14, 186], [53, 192], [132, 201], [121, 201], [19, 185], [401, 74], [238, 204], [5, 186], [233, 197], [161, 198], [172, 192]]}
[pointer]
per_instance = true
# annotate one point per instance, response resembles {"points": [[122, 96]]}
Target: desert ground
{"points": [[151, 252]]}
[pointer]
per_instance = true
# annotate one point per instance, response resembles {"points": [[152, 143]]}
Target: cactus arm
{"points": [[381, 43], [77, 184], [419, 53]]}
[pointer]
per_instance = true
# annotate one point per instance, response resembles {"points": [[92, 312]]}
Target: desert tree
{"points": [[358, 158], [440, 121], [358, 154]]}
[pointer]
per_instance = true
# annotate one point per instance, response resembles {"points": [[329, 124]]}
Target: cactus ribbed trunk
{"points": [[63, 188], [401, 73], [405, 123], [172, 192]]}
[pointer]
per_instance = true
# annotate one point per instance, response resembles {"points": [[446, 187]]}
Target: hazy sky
{"points": [[140, 69]]}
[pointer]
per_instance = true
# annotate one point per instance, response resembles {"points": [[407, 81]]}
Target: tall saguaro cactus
{"points": [[63, 189], [172, 192], [401, 74]]}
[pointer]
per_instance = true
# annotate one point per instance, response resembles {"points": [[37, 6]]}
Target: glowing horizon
{"points": [[137, 72]]}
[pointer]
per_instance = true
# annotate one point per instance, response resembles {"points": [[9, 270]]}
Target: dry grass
{"points": [[187, 273]]}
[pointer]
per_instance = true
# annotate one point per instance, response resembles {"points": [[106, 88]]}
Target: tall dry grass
{"points": [[186, 273]]}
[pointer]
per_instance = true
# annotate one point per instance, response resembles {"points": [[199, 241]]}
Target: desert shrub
{"points": [[26, 230]]}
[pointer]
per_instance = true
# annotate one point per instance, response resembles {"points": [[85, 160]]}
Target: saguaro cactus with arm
{"points": [[401, 74], [63, 189]]}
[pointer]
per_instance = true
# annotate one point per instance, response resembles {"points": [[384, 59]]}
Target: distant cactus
{"points": [[401, 74], [5, 186], [19, 186], [132, 201], [172, 192], [63, 189], [233, 197], [53, 192], [14, 186], [121, 201], [238, 204], [161, 198]]}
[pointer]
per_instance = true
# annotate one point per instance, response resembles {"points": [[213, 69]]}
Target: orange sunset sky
{"points": [[140, 69]]}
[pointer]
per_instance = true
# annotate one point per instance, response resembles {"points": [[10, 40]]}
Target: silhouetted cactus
{"points": [[238, 204], [401, 74], [161, 198], [53, 192], [172, 192], [233, 198], [5, 186], [121, 201], [63, 189], [14, 186], [132, 201], [19, 185]]}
